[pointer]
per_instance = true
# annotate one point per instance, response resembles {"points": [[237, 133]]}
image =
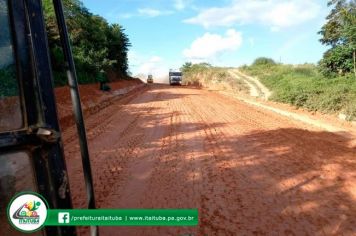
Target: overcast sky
{"points": [[166, 33]]}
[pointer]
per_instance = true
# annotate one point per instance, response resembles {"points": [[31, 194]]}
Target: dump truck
{"points": [[175, 77], [149, 79]]}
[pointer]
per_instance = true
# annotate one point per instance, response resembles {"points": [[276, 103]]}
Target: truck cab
{"points": [[175, 77], [150, 79]]}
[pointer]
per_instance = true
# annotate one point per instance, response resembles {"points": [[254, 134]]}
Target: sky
{"points": [[166, 33]]}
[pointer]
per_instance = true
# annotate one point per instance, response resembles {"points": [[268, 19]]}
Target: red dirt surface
{"points": [[247, 170], [91, 98]]}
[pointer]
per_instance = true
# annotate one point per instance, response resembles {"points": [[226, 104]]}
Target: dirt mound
{"points": [[92, 98]]}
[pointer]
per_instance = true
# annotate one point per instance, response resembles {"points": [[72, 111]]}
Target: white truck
{"points": [[175, 77]]}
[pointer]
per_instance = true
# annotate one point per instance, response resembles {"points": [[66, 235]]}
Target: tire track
{"points": [[248, 171], [111, 162]]}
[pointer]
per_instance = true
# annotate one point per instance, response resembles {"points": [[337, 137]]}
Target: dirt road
{"points": [[248, 171], [257, 89]]}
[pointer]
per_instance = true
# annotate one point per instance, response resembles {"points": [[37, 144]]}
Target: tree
{"points": [[263, 61], [349, 31], [339, 32], [118, 45], [96, 45], [186, 66], [337, 60]]}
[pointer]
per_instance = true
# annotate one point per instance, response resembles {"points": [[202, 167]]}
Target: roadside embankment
{"points": [[257, 89], [214, 78], [92, 99], [256, 92], [304, 87]]}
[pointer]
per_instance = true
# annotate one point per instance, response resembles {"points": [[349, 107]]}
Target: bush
{"points": [[60, 78], [264, 61], [337, 60], [96, 44], [304, 86]]}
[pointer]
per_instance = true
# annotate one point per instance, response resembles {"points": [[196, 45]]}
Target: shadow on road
{"points": [[160, 151]]}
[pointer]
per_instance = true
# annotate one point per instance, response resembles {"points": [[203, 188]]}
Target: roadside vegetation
{"points": [[8, 83], [329, 86], [98, 47], [305, 86], [339, 32], [209, 76]]}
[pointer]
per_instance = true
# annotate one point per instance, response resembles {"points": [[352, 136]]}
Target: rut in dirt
{"points": [[248, 171]]}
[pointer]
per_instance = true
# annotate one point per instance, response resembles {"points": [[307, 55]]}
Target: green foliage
{"points": [[337, 60], [186, 67], [8, 81], [118, 44], [96, 45], [331, 30], [264, 61], [304, 86], [189, 67], [339, 32]]}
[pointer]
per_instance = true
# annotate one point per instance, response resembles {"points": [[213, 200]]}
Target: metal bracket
{"points": [[48, 135]]}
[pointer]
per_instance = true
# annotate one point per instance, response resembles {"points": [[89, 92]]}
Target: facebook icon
{"points": [[63, 217]]}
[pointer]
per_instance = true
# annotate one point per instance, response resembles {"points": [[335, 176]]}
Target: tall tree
{"points": [[118, 44], [339, 32], [96, 45]]}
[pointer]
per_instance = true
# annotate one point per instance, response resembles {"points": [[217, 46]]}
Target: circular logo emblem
{"points": [[27, 212]]}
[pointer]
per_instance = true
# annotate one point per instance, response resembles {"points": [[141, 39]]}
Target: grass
{"points": [[303, 86]]}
